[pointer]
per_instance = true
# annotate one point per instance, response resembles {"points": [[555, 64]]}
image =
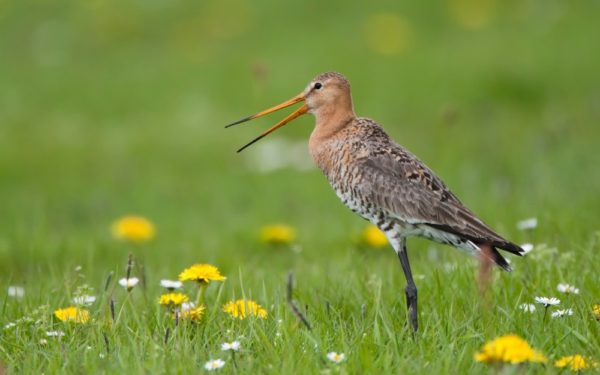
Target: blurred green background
{"points": [[116, 107]]}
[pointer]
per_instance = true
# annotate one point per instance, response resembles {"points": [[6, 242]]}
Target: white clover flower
{"points": [[527, 224], [552, 301], [84, 300], [171, 284], [16, 291], [336, 357], [43, 341], [568, 289], [55, 333], [527, 307], [129, 283], [10, 325], [214, 364], [561, 313], [527, 247], [235, 346]]}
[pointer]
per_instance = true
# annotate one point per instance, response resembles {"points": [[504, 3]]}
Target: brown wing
{"points": [[401, 184]]}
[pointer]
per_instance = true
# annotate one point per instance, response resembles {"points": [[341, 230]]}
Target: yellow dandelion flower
{"points": [[509, 349], [373, 237], [278, 234], [73, 314], [133, 228], [576, 362], [387, 33], [202, 273], [173, 299], [242, 308], [472, 14], [192, 313], [596, 311]]}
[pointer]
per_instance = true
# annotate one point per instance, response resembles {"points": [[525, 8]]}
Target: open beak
{"points": [[299, 112]]}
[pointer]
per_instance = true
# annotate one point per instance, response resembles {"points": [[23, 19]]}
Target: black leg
{"points": [[411, 288]]}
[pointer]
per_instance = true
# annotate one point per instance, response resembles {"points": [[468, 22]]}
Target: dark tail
{"points": [[498, 242]]}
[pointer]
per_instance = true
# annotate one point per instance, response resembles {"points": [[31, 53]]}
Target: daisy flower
{"points": [[373, 237], [202, 273], [214, 364], [234, 346], [567, 289], [335, 357], [527, 224], [133, 228], [129, 283], [72, 314], [55, 333], [552, 301], [509, 349], [16, 291], [187, 306], [527, 307], [84, 300], [527, 247], [277, 234], [561, 313], [241, 308], [171, 284]]}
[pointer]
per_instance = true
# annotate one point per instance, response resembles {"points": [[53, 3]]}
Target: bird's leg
{"points": [[399, 245], [411, 288]]}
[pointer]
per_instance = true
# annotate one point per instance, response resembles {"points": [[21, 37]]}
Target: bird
{"points": [[385, 183]]}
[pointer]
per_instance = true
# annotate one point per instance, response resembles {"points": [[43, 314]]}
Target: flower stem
{"points": [[233, 359], [200, 295]]}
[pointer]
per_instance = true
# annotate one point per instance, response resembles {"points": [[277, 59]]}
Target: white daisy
{"points": [[55, 333], [335, 357], [187, 306], [214, 364], [527, 307], [552, 301], [171, 284], [568, 289], [527, 247], [527, 224], [129, 283], [235, 346], [84, 300], [16, 291], [561, 313]]}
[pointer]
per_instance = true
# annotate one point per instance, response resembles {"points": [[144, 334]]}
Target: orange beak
{"points": [[299, 112]]}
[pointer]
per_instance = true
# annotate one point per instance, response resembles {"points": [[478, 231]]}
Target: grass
{"points": [[109, 109]]}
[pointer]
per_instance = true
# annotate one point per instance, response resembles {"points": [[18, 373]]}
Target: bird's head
{"points": [[326, 96]]}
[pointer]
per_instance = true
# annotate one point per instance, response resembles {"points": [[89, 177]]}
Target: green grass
{"points": [[110, 108]]}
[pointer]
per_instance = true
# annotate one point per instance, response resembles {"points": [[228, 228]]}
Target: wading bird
{"points": [[383, 182]]}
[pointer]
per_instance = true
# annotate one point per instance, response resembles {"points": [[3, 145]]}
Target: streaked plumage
{"points": [[383, 182]]}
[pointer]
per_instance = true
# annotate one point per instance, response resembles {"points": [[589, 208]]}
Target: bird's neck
{"points": [[329, 121], [324, 140]]}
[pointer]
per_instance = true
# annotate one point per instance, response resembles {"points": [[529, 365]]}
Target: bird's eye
{"points": [[318, 85]]}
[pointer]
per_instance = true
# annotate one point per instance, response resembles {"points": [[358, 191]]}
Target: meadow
{"points": [[110, 109]]}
